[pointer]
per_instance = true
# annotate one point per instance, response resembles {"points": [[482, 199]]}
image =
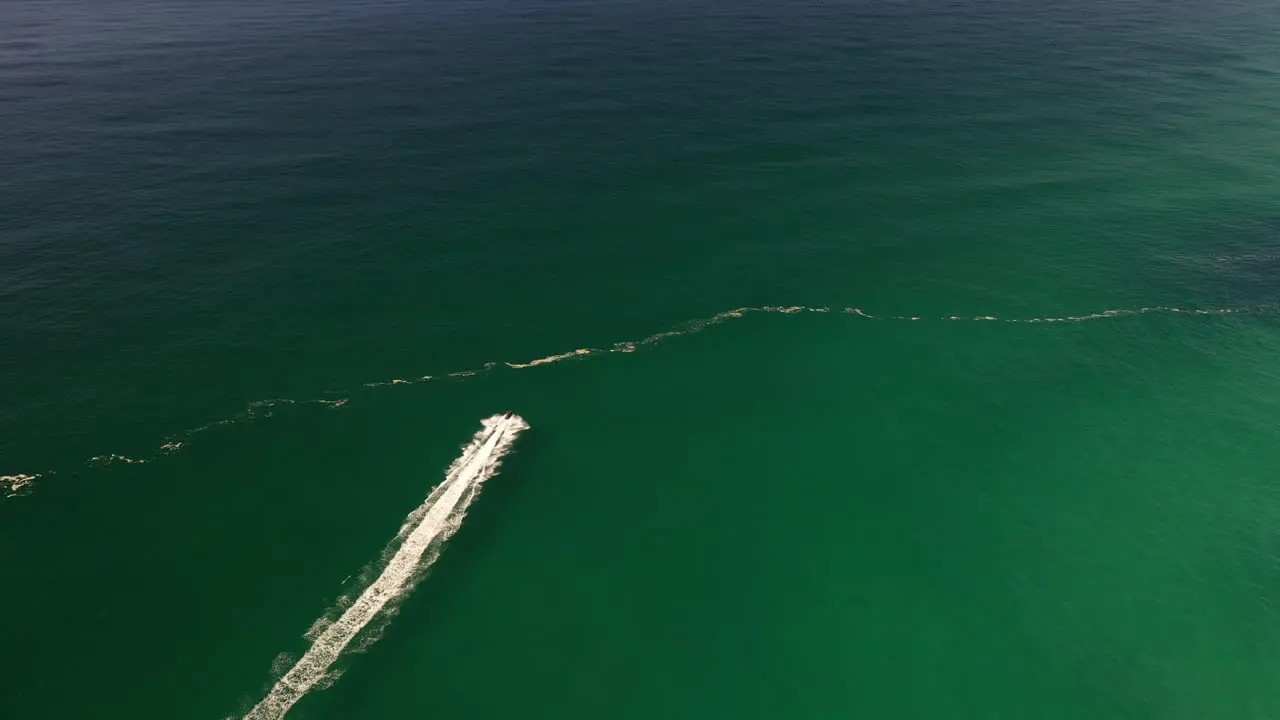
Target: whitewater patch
{"points": [[414, 548], [15, 485]]}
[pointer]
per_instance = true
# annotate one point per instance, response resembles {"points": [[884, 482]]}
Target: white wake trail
{"points": [[427, 526]]}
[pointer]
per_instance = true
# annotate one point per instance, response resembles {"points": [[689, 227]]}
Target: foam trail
{"points": [[551, 358], [263, 409], [99, 460], [432, 523]]}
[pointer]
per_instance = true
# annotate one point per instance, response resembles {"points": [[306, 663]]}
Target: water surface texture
{"points": [[899, 359]]}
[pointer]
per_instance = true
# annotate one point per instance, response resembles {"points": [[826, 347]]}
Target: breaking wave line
{"points": [[424, 530], [263, 409], [696, 326]]}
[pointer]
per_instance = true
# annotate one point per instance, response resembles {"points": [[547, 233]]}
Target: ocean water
{"points": [[910, 359]]}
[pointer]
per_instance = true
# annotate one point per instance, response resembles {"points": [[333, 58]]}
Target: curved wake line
{"points": [[696, 326], [263, 408], [425, 529]]}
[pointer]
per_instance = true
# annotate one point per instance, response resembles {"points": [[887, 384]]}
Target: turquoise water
{"points": [[229, 229]]}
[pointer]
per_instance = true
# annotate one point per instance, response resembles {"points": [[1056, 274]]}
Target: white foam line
{"points": [[263, 408], [696, 326], [113, 458], [432, 523], [552, 358]]}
